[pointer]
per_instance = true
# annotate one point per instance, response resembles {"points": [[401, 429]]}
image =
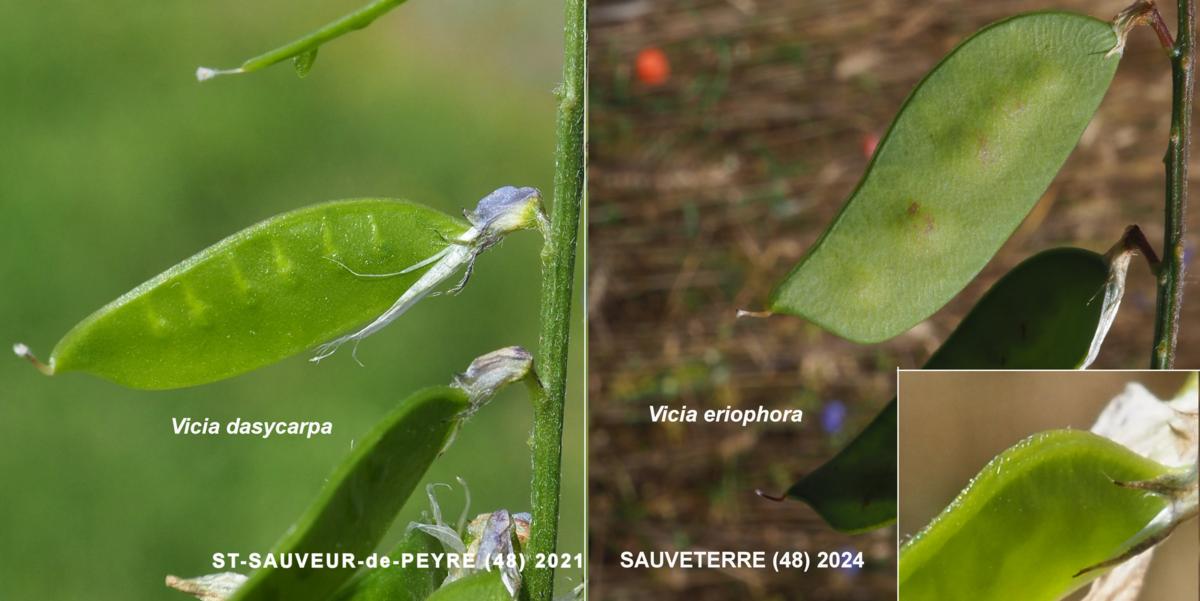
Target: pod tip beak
{"points": [[22, 351], [777, 499], [755, 314], [207, 73]]}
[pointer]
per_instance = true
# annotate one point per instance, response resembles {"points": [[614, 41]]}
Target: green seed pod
{"points": [[265, 293], [971, 151], [283, 286], [480, 586], [1031, 521], [1047, 313], [360, 500], [408, 583]]}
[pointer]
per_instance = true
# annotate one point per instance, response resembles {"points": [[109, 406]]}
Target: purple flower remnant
{"points": [[833, 416]]}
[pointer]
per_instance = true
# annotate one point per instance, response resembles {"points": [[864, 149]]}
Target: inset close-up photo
{"points": [[1048, 485]]}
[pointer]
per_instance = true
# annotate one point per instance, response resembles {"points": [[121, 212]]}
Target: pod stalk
{"points": [[1135, 241]]}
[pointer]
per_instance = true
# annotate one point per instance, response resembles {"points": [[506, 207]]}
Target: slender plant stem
{"points": [[558, 275], [1171, 276]]}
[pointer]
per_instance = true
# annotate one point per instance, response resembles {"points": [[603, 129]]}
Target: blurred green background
{"points": [[116, 164]]}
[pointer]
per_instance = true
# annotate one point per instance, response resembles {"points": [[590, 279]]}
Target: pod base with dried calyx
{"points": [[1020, 323], [1141, 12], [360, 500], [489, 373], [284, 286], [498, 214], [1179, 490], [1118, 257], [1166, 431]]}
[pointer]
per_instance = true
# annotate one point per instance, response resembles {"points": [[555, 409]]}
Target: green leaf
{"points": [[361, 498], [261, 295], [1035, 517], [970, 153], [303, 62], [1044, 314], [409, 583], [480, 586]]}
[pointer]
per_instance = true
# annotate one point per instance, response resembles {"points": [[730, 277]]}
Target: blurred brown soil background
{"points": [[705, 190]]}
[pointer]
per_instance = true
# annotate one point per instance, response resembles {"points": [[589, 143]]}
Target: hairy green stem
{"points": [[558, 272], [1171, 276]]}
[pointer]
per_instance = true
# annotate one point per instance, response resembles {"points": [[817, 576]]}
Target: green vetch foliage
{"points": [[1035, 517], [969, 154]]}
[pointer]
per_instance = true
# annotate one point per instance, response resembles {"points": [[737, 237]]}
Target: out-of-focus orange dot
{"points": [[870, 142], [652, 67]]}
